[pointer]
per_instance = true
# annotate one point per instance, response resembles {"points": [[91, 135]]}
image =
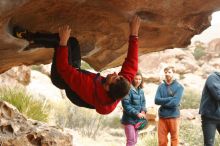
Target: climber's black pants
{"points": [[50, 40]]}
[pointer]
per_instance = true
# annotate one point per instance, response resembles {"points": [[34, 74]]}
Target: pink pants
{"points": [[131, 135]]}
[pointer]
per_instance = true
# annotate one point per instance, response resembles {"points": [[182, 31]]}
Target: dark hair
{"points": [[119, 89], [142, 82], [168, 68]]}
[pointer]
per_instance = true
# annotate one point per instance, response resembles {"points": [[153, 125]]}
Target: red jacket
{"points": [[84, 84]]}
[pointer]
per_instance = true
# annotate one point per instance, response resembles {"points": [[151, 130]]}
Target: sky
{"points": [[216, 18], [211, 32]]}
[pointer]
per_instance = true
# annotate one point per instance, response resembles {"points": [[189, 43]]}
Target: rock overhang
{"points": [[101, 27]]}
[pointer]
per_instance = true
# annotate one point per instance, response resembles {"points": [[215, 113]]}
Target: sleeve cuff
{"points": [[62, 47], [133, 36]]}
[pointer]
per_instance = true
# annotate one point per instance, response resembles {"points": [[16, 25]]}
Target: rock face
{"points": [[15, 129], [101, 27], [16, 76], [214, 47], [152, 64]]}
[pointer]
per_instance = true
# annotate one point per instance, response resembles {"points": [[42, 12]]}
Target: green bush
{"points": [[198, 52], [181, 76], [149, 139], [28, 106], [191, 134], [36, 67], [190, 99], [88, 122], [113, 122]]}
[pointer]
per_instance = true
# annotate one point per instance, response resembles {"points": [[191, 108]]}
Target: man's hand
{"points": [[134, 25], [64, 34]]}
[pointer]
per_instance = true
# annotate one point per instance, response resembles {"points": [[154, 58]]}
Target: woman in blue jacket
{"points": [[134, 109]]}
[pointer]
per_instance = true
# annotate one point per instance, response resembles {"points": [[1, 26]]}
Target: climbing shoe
{"points": [[20, 32]]}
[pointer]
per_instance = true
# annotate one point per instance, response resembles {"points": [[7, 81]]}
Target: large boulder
{"points": [[20, 131], [16, 76], [152, 64], [193, 81], [101, 27], [214, 47]]}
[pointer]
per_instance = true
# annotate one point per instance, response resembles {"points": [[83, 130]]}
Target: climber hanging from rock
{"points": [[83, 88]]}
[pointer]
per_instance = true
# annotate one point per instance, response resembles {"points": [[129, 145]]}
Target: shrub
{"points": [[86, 121], [199, 50], [113, 122], [36, 67], [191, 134], [149, 139], [28, 106], [190, 99], [198, 53], [181, 77]]}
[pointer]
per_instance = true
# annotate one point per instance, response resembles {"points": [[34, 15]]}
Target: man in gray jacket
{"points": [[210, 108]]}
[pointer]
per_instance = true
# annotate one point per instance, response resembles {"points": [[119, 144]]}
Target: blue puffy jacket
{"points": [[169, 97], [133, 104], [210, 101]]}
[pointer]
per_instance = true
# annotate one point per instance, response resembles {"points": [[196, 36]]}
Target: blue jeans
{"points": [[209, 127]]}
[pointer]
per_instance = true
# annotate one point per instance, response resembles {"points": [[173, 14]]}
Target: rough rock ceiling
{"points": [[101, 27]]}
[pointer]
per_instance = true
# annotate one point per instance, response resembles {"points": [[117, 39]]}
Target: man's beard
{"points": [[168, 78]]}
